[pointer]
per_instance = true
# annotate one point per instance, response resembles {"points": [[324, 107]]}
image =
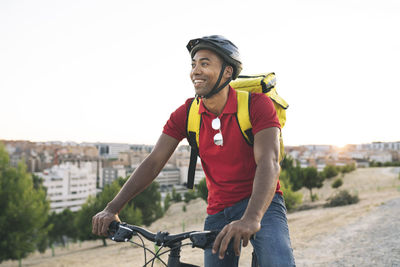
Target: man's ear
{"points": [[228, 72]]}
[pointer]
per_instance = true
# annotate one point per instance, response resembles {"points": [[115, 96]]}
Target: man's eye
{"points": [[193, 65], [204, 64]]}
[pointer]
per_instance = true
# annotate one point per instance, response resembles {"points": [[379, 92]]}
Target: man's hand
{"points": [[101, 221], [238, 230]]}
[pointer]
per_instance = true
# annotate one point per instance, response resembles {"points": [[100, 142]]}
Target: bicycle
{"points": [[123, 232]]}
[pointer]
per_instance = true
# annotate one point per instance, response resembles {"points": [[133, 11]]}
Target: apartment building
{"points": [[110, 150], [381, 157], [198, 175], [70, 184], [111, 174], [168, 177]]}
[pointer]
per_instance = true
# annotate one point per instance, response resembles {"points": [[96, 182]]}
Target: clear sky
{"points": [[113, 71]]}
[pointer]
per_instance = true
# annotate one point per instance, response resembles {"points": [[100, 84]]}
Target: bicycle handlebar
{"points": [[122, 232]]}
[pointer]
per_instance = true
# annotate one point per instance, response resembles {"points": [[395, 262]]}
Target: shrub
{"points": [[337, 183], [375, 164], [342, 198], [348, 168], [176, 197], [189, 195], [202, 190], [330, 171], [314, 197], [292, 199]]}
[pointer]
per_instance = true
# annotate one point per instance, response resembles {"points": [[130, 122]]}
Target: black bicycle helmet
{"points": [[225, 49], [220, 45]]}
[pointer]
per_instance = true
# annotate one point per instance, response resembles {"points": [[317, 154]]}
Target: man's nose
{"points": [[196, 70]]}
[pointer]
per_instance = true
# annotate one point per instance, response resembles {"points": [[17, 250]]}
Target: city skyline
{"points": [[72, 142], [92, 71]]}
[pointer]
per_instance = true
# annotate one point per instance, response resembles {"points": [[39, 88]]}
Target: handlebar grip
{"points": [[119, 232], [113, 227], [203, 239]]}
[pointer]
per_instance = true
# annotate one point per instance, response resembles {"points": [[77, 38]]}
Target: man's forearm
{"points": [[264, 188]]}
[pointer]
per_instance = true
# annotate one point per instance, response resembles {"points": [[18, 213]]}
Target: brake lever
{"points": [[203, 240], [123, 233]]}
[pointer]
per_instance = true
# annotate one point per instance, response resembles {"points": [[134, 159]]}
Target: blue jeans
{"points": [[271, 244]]}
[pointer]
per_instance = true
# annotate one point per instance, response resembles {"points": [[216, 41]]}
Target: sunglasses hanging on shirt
{"points": [[216, 125]]}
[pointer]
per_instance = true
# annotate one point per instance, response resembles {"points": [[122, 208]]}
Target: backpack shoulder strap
{"points": [[243, 115], [243, 119], [193, 129], [193, 123]]}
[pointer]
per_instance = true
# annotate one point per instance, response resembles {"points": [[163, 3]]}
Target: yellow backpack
{"points": [[244, 85]]}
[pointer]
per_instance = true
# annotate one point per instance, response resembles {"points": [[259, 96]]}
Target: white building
{"points": [[358, 154], [394, 146], [384, 146], [110, 174], [198, 175], [70, 184], [381, 157], [168, 177], [109, 150], [325, 148]]}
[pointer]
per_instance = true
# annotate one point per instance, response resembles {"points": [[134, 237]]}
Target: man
{"points": [[244, 192]]}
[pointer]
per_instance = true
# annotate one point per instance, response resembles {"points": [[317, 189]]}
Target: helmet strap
{"points": [[217, 89]]}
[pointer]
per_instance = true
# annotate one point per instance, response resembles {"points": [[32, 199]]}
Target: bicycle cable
{"points": [[146, 249], [164, 252], [156, 256]]}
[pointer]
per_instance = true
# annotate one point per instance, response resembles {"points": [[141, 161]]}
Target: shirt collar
{"points": [[230, 107]]}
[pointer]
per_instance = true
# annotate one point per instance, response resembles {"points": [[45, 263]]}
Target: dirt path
{"points": [[372, 240]]}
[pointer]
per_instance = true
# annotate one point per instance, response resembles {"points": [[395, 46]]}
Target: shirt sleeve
{"points": [[262, 113], [176, 124]]}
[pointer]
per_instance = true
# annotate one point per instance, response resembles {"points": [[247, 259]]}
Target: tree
{"points": [[93, 205], [61, 227], [296, 177], [292, 199], [83, 220], [130, 213], [287, 162], [176, 197], [149, 202], [292, 175], [167, 202], [23, 210], [202, 190], [38, 182], [312, 180], [330, 171]]}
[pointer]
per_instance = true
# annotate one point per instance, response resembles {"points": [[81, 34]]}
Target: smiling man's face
{"points": [[206, 67]]}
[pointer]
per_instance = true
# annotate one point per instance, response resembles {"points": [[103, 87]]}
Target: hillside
{"points": [[310, 229]]}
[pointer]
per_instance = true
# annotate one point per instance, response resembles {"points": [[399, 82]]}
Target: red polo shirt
{"points": [[229, 169]]}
